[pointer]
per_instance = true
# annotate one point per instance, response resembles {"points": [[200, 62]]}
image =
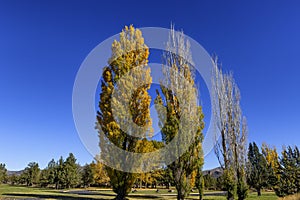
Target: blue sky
{"points": [[43, 43]]}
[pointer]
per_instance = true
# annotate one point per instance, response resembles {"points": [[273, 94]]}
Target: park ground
{"points": [[8, 192]]}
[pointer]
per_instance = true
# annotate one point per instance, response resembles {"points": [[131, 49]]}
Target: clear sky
{"points": [[43, 43]]}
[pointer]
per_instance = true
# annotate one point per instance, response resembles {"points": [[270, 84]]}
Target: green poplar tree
{"points": [[176, 107], [200, 184]]}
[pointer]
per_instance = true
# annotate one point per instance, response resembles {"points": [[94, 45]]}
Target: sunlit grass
{"points": [[7, 191]]}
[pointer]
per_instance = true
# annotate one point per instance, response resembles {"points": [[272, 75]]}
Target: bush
{"points": [[229, 184], [242, 190]]}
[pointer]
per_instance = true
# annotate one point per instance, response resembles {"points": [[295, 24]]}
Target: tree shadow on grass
{"points": [[48, 196], [143, 196], [53, 196]]}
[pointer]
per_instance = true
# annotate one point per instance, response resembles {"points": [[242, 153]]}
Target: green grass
{"points": [[22, 192]]}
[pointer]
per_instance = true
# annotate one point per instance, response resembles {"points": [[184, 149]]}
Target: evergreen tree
{"points": [[129, 55], [44, 178], [257, 169], [47, 176], [289, 173], [71, 172], [59, 174], [271, 156], [51, 172], [31, 174], [87, 175]]}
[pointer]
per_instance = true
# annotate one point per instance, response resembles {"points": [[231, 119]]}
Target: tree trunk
{"points": [[200, 196], [180, 193], [180, 196], [258, 192], [230, 196], [121, 195]]}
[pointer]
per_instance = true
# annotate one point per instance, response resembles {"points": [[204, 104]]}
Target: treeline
{"points": [[67, 173], [58, 174], [266, 171]]}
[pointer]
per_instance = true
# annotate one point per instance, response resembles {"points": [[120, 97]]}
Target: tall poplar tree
{"points": [[177, 107], [129, 59], [230, 149]]}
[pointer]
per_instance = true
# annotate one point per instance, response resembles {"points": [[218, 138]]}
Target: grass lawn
{"points": [[8, 192]]}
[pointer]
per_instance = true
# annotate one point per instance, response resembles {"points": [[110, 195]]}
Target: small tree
{"points": [[31, 174], [210, 182], [200, 183], [51, 172], [271, 156], [3, 173], [87, 175], [44, 178], [47, 176], [59, 174], [14, 179], [229, 183], [100, 175], [289, 172]]}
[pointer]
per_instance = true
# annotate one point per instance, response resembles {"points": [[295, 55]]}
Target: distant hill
{"points": [[216, 172], [17, 173]]}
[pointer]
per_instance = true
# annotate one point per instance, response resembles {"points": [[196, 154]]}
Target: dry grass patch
{"points": [[291, 197]]}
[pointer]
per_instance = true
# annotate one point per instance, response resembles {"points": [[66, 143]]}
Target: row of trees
{"points": [[267, 170], [123, 119], [68, 174], [175, 103], [178, 112], [60, 174]]}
